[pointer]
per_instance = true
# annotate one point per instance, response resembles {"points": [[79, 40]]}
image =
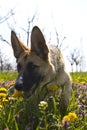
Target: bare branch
{"points": [[57, 37], [30, 21], [59, 42], [4, 40], [6, 17]]}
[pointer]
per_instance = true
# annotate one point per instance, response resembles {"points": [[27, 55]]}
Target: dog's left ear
{"points": [[38, 44], [17, 45]]}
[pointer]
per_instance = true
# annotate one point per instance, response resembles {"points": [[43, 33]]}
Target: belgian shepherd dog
{"points": [[41, 66]]}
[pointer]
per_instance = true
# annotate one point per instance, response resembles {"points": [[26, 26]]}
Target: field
{"points": [[19, 113]]}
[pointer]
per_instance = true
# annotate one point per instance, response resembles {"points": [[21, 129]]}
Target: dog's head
{"points": [[32, 64]]}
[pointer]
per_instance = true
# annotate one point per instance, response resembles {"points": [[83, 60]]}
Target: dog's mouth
{"points": [[26, 89], [27, 93], [19, 84], [28, 85]]}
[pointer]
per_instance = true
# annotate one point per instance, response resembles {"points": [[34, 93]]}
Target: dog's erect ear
{"points": [[38, 43], [17, 45]]}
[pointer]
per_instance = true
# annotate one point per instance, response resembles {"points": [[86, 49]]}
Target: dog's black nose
{"points": [[19, 84]]}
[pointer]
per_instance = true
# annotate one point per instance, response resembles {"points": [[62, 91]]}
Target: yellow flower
{"points": [[83, 82], [52, 87], [2, 89], [1, 106], [2, 95], [17, 93], [5, 100], [1, 80], [72, 116], [66, 118]]}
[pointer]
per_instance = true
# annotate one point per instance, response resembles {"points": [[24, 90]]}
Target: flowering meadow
{"points": [[19, 113]]}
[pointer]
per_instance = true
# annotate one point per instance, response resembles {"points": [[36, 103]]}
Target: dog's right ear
{"points": [[17, 45], [38, 43]]}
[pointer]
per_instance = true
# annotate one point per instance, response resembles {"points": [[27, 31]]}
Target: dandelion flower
{"points": [[2, 95], [83, 82], [53, 87], [1, 106], [17, 93], [2, 89], [72, 115], [69, 118], [5, 100], [66, 118], [1, 80], [66, 121]]}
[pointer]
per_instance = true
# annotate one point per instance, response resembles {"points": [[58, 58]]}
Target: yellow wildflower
{"points": [[1, 80], [52, 87], [17, 93], [83, 82], [2, 95], [1, 106], [5, 100], [72, 115], [66, 118], [2, 89]]}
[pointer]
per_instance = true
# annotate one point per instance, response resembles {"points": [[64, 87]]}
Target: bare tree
{"points": [[4, 19], [4, 62], [8, 66], [59, 43], [28, 31], [75, 58], [70, 58], [1, 62], [57, 37]]}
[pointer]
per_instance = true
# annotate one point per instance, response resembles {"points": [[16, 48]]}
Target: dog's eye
{"points": [[19, 67], [30, 65]]}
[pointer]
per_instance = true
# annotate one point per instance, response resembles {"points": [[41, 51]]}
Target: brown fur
{"points": [[41, 66]]}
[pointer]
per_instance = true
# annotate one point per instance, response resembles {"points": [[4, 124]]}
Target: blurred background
{"points": [[63, 23]]}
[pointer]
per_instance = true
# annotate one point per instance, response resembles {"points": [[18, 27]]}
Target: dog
{"points": [[39, 67]]}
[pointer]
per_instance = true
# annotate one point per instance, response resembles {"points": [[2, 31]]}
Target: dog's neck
{"points": [[41, 91]]}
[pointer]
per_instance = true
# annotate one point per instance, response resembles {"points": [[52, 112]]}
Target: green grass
{"points": [[18, 113], [79, 76], [6, 76]]}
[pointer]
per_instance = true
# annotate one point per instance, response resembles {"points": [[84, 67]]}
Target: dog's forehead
{"points": [[23, 57], [27, 57]]}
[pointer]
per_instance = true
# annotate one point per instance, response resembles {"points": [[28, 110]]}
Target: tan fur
{"points": [[49, 60]]}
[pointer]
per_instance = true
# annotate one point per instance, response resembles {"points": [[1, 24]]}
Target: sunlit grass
{"points": [[6, 76], [79, 77], [18, 113]]}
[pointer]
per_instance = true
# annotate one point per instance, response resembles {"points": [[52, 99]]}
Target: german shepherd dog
{"points": [[39, 67]]}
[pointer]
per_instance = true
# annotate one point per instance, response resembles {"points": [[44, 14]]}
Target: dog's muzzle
{"points": [[19, 84]]}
